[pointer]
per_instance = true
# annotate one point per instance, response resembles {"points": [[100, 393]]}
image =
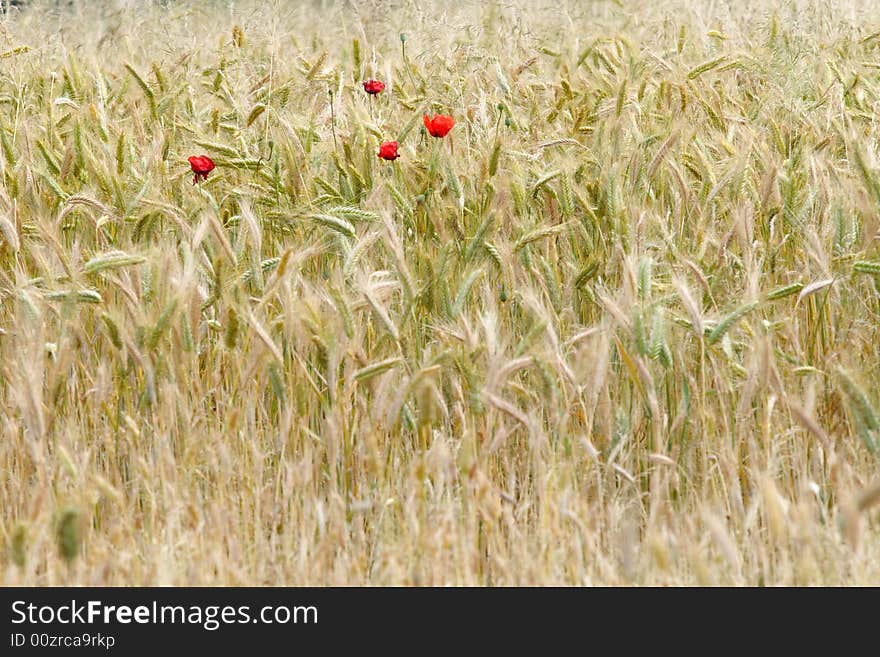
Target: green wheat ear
{"points": [[68, 533], [865, 417], [867, 267], [18, 546], [729, 320]]}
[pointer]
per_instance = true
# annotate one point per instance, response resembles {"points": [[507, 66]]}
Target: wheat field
{"points": [[619, 327]]}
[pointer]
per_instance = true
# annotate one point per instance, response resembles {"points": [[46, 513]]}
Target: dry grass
{"points": [[621, 326]]}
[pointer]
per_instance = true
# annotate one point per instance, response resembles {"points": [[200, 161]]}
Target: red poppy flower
{"points": [[201, 165], [373, 87], [440, 125], [388, 150]]}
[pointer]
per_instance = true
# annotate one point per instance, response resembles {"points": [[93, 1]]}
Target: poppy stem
{"points": [[432, 166], [405, 60]]}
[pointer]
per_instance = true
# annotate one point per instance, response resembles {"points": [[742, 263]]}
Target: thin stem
{"points": [[333, 121]]}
